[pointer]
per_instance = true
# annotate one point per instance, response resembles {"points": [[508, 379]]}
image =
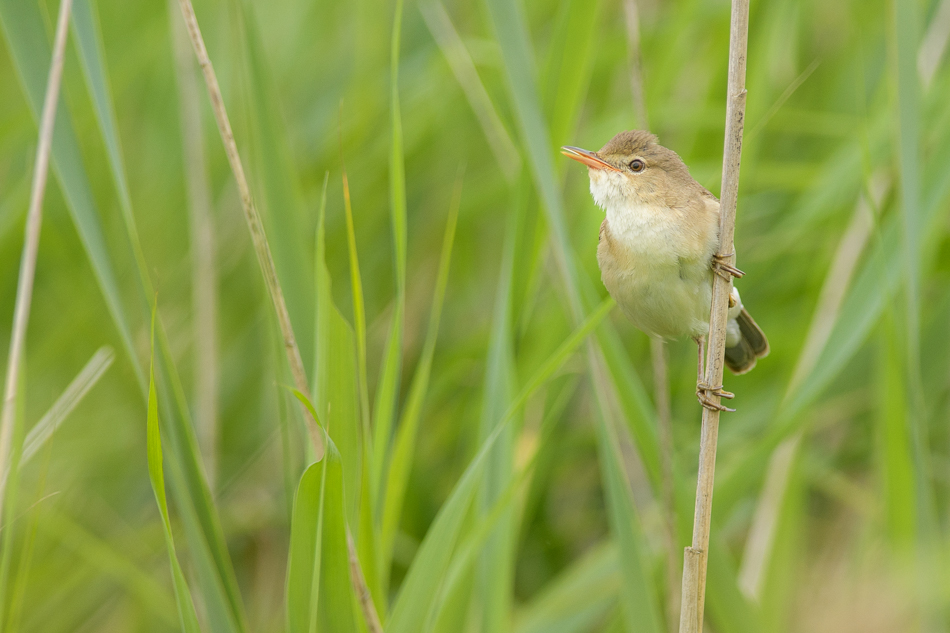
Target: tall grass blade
{"points": [[368, 538], [84, 381], [319, 593], [186, 608], [404, 448], [418, 594], [907, 25], [495, 577], [335, 373], [387, 391]]}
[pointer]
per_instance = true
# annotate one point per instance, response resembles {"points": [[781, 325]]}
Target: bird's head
{"points": [[633, 169]]}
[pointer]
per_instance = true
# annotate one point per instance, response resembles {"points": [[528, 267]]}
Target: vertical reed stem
{"points": [[715, 361]]}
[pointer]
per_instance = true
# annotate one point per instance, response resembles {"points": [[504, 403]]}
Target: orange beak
{"points": [[591, 159]]}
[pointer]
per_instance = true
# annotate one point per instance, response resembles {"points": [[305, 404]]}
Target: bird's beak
{"points": [[591, 159]]}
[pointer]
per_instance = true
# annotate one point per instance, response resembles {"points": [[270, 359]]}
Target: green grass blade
{"points": [[637, 595], [186, 608], [895, 448], [85, 380], [319, 594], [367, 537], [421, 586], [359, 310], [907, 25], [511, 33], [404, 448], [387, 392], [91, 57], [495, 571], [568, 67], [335, 375]]}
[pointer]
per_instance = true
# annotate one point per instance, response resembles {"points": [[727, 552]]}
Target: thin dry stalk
{"points": [[31, 242], [363, 594], [266, 261], [254, 223], [203, 278], [661, 381], [722, 288]]}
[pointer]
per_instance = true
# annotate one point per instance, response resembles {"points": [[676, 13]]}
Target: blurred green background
{"points": [[832, 499]]}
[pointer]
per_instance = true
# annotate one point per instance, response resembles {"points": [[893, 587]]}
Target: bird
{"points": [[658, 250]]}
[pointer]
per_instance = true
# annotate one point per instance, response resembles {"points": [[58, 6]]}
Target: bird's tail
{"points": [[752, 345]]}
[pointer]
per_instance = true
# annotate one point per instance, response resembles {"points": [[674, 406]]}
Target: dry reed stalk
{"points": [[661, 380], [715, 361], [31, 242], [254, 223], [266, 261], [203, 280]]}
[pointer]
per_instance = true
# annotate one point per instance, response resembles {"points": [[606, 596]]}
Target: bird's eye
{"points": [[637, 165]]}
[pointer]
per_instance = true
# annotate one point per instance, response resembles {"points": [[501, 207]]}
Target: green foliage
{"points": [[492, 450]]}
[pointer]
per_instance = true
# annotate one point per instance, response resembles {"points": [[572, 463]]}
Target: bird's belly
{"points": [[664, 299]]}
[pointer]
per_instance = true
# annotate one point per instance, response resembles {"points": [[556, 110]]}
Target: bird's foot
{"points": [[723, 269], [704, 391]]}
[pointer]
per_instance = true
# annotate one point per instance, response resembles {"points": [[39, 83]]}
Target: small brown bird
{"points": [[658, 249]]}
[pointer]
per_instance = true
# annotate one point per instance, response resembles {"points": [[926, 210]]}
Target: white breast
{"points": [[657, 275]]}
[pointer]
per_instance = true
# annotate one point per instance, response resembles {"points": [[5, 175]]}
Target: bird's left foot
{"points": [[704, 391], [723, 269]]}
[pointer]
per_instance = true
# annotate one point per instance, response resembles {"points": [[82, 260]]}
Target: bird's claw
{"points": [[723, 269], [703, 391]]}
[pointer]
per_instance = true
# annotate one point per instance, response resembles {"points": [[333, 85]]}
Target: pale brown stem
{"points": [[31, 242], [689, 617], [254, 223], [203, 279], [722, 287], [363, 595]]}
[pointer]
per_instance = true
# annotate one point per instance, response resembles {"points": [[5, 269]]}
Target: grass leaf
{"points": [[186, 608]]}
